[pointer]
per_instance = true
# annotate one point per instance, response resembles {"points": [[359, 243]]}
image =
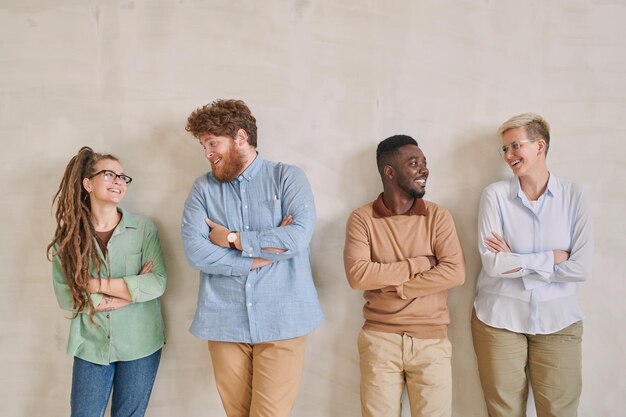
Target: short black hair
{"points": [[389, 147]]}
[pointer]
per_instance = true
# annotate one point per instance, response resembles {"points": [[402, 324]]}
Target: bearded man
{"points": [[404, 254], [247, 226]]}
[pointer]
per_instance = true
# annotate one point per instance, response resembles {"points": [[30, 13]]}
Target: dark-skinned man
{"points": [[404, 253]]}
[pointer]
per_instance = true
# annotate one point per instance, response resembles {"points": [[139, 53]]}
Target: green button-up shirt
{"points": [[131, 332]]}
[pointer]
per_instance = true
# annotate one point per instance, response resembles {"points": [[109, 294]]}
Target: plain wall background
{"points": [[327, 80]]}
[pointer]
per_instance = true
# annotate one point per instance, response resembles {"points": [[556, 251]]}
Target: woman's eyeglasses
{"points": [[514, 146], [110, 176]]}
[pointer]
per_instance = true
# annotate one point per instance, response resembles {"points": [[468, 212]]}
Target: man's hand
{"points": [[218, 234], [394, 288], [261, 262]]}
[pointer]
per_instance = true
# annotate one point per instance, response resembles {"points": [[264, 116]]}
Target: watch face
{"points": [[231, 237]]}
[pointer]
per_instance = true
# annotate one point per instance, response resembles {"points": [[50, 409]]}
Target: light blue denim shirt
{"points": [[236, 304], [541, 297]]}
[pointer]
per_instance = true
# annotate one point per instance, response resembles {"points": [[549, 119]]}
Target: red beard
{"points": [[231, 165]]}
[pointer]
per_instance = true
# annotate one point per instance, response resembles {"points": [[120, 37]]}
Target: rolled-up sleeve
{"points": [[149, 286], [297, 202]]}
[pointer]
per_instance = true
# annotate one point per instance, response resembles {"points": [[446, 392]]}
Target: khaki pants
{"points": [[552, 363], [258, 380], [390, 361]]}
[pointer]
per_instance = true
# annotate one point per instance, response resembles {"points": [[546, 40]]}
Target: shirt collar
{"points": [[380, 210], [551, 190], [128, 221], [252, 169]]}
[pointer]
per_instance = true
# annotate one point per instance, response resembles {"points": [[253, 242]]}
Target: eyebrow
{"points": [[110, 170]]}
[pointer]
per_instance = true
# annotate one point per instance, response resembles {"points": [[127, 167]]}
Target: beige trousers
{"points": [[507, 360], [389, 362], [258, 380]]}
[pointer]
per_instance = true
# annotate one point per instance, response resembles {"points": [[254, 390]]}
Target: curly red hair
{"points": [[223, 118]]}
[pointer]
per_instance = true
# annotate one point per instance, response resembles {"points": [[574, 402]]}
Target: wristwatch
{"points": [[232, 238]]}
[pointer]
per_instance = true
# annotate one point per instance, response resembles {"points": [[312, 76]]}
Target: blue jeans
{"points": [[130, 381]]}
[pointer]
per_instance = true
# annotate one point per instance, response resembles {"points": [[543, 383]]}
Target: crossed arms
{"points": [[206, 246], [412, 277]]}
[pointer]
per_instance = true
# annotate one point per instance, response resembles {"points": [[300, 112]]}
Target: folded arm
{"points": [[365, 274], [496, 261], [62, 290], [284, 242], [556, 265], [449, 272], [201, 253]]}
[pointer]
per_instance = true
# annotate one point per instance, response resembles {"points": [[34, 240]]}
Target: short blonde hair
{"points": [[536, 127]]}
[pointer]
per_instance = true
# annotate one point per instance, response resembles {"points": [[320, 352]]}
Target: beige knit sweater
{"points": [[386, 255]]}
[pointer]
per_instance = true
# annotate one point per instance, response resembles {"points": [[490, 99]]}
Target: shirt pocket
{"points": [[270, 213], [133, 264]]}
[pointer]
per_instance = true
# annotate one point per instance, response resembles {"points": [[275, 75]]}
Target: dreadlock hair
{"points": [[74, 241]]}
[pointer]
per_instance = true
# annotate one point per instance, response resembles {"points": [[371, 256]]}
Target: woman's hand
{"points": [[496, 243], [146, 268], [560, 256], [111, 285], [109, 303]]}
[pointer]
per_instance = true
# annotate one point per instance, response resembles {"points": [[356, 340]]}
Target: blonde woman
{"points": [[536, 245], [108, 271]]}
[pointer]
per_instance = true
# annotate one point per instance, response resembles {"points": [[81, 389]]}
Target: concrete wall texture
{"points": [[327, 80]]}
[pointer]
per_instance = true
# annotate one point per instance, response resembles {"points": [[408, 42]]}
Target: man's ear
{"points": [[388, 171], [241, 137]]}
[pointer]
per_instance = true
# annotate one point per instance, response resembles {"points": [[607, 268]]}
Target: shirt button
{"points": [[245, 206], [249, 304], [243, 191], [247, 227], [108, 316], [247, 285]]}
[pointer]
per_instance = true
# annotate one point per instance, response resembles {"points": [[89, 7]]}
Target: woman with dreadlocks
{"points": [[108, 271]]}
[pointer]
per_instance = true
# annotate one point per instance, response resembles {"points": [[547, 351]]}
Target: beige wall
{"points": [[327, 80]]}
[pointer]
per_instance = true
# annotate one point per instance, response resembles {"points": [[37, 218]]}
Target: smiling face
{"points": [[410, 170], [226, 160], [102, 189], [529, 156]]}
